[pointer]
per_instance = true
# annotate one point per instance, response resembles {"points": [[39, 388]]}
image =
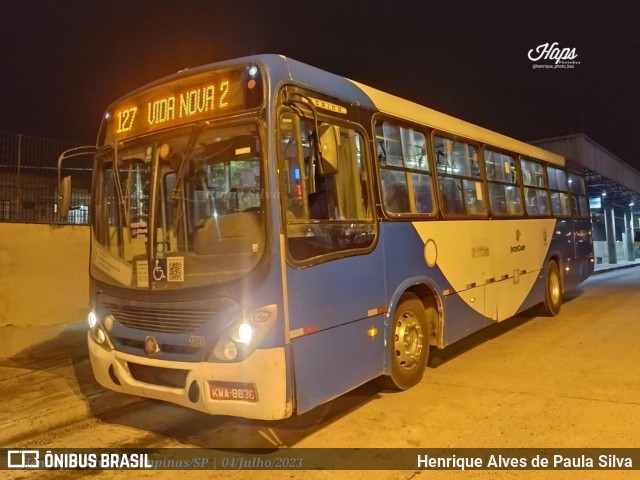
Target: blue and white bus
{"points": [[266, 236]]}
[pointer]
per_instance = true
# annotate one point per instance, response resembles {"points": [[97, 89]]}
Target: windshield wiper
{"points": [[120, 199], [177, 194]]}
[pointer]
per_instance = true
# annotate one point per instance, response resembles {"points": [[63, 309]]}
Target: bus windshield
{"points": [[179, 209]]}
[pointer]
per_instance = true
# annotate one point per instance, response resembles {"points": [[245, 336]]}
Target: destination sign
{"points": [[189, 99]]}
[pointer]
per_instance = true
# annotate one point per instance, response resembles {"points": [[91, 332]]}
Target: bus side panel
{"points": [[332, 305], [563, 244], [519, 249], [405, 258], [329, 363], [560, 246]]}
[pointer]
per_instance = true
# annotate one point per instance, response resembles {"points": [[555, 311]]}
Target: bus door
{"points": [[334, 282], [583, 242]]}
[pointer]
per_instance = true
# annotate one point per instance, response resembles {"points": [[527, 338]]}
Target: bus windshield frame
{"points": [[186, 210]]}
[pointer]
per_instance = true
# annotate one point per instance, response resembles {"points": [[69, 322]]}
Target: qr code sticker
{"points": [[175, 269]]}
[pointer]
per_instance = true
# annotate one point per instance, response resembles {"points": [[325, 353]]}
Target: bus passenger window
{"points": [[543, 203], [532, 201], [395, 193], [497, 199], [559, 187], [404, 170], [504, 191], [395, 198], [451, 191], [422, 192], [579, 205], [459, 170]]}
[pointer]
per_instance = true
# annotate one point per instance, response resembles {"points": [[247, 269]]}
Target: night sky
{"points": [[64, 62]]}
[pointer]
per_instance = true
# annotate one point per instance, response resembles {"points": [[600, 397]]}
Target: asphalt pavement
{"points": [[46, 380]]}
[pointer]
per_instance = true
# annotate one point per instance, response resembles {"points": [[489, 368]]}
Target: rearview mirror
{"points": [[329, 140], [64, 185], [64, 197]]}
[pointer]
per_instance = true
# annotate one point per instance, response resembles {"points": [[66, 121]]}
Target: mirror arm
{"points": [[306, 102], [73, 152]]}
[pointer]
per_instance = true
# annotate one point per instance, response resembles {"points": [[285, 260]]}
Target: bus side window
{"points": [[395, 194], [579, 204], [535, 187], [532, 201], [451, 191], [541, 200], [460, 177], [318, 205], [404, 170], [395, 198], [504, 191]]}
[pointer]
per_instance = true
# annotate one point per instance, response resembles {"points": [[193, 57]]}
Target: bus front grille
{"points": [[159, 319]]}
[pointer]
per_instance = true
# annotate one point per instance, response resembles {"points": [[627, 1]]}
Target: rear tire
{"points": [[553, 291], [409, 347]]}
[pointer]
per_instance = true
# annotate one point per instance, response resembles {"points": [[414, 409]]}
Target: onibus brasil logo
{"points": [[551, 52]]}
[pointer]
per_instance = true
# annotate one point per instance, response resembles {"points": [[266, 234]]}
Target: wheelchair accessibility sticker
{"points": [[169, 269]]}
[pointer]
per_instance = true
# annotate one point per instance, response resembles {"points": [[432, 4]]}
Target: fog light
{"points": [[245, 332], [100, 336], [230, 350], [92, 319], [108, 323]]}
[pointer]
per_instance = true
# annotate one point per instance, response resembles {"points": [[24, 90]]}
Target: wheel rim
{"points": [[408, 340], [554, 288]]}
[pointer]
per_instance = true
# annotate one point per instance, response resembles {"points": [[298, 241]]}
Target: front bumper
{"points": [[266, 368]]}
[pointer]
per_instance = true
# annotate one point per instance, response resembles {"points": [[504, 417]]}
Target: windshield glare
{"points": [[205, 185]]}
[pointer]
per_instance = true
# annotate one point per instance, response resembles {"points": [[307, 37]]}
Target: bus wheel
{"points": [[553, 291], [409, 343]]}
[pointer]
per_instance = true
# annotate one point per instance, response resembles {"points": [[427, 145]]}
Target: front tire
{"points": [[409, 348], [553, 291]]}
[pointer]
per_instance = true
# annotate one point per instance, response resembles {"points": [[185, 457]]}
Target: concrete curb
{"points": [[30, 416], [615, 267], [47, 382]]}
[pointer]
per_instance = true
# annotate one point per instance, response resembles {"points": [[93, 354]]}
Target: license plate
{"points": [[232, 391]]}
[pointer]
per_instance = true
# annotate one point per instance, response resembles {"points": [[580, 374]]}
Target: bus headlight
{"points": [[92, 319], [98, 330], [243, 336]]}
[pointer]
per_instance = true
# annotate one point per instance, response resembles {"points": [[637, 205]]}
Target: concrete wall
{"points": [[44, 274], [623, 252]]}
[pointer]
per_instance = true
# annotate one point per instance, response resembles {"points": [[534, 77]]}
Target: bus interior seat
{"points": [[453, 207], [396, 199], [236, 233], [318, 206]]}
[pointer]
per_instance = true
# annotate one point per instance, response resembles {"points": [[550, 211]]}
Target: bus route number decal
{"points": [[125, 119]]}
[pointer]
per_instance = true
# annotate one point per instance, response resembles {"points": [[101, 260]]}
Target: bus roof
{"points": [[317, 79], [284, 70], [399, 107]]}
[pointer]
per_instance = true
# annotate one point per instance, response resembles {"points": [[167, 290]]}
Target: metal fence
{"points": [[29, 177]]}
